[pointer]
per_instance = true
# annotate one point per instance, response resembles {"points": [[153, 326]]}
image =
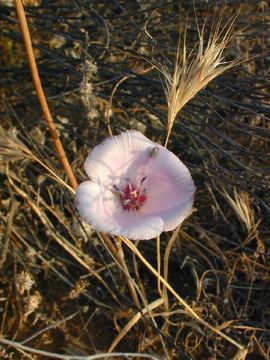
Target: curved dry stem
{"points": [[12, 149], [109, 106], [130, 282], [158, 265], [166, 265]]}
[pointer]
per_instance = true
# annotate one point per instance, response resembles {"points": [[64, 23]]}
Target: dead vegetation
{"points": [[64, 292]]}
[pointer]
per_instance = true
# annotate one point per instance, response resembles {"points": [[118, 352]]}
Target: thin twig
{"points": [[109, 106], [51, 125], [51, 326]]}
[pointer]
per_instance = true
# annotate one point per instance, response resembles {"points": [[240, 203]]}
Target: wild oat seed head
{"points": [[193, 71]]}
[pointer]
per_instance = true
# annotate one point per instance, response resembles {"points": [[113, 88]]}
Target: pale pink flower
{"points": [[138, 188]]}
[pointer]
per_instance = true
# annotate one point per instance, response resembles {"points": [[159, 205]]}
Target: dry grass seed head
{"points": [[24, 282], [240, 203], [11, 148], [32, 303], [86, 89], [193, 71]]}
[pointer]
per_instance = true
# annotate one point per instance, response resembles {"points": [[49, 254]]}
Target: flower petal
{"points": [[139, 226], [98, 207], [170, 189], [175, 216], [114, 158]]}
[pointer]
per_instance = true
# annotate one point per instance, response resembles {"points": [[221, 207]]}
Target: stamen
{"points": [[131, 198], [142, 180]]}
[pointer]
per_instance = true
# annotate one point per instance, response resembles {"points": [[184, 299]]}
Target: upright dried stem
{"points": [[40, 93]]}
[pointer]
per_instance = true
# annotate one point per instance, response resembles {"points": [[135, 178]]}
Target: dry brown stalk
{"points": [[166, 265], [14, 205], [11, 148], [241, 354], [109, 106], [40, 93]]}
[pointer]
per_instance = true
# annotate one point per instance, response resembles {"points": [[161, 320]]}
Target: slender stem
{"points": [[6, 238], [118, 253], [166, 265], [40, 93], [167, 138], [109, 106], [121, 259], [51, 125], [158, 266]]}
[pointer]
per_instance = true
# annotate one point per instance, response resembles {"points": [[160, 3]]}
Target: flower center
{"points": [[131, 197]]}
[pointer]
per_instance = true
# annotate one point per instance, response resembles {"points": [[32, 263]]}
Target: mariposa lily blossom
{"points": [[137, 188]]}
